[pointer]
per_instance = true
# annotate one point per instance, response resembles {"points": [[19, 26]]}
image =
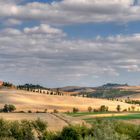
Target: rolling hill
{"points": [[25, 101], [106, 91]]}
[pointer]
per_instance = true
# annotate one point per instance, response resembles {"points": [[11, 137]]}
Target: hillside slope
{"points": [[38, 102]]}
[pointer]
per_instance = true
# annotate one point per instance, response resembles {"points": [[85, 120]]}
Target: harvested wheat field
{"points": [[25, 101], [56, 122]]}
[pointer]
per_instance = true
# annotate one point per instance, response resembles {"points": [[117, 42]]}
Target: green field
{"points": [[126, 117], [79, 114]]}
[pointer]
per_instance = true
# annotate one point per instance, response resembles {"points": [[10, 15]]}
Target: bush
{"points": [[100, 130], [45, 111], [70, 133], [9, 108], [103, 108], [40, 127], [105, 130], [75, 110], [29, 111], [89, 109], [118, 108], [95, 110], [16, 130], [55, 111]]}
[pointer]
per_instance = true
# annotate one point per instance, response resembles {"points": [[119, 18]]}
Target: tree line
{"points": [[39, 89]]}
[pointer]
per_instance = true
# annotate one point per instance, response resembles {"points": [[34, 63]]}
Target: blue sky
{"points": [[68, 42]]}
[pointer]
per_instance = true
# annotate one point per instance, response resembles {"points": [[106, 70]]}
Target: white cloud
{"points": [[73, 11], [10, 31], [34, 53], [44, 29]]}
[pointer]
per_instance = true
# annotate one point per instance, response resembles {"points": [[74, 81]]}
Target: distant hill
{"points": [[112, 85], [77, 89], [109, 90]]}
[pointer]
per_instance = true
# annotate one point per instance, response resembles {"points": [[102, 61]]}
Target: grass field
{"points": [[125, 117], [129, 118], [91, 117], [79, 114]]}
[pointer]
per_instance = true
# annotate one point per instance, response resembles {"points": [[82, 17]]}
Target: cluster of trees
{"points": [[30, 87], [37, 130], [39, 89], [130, 101], [8, 108], [104, 108], [7, 84]]}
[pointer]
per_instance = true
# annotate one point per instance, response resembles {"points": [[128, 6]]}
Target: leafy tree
{"points": [[133, 108], [55, 111], [9, 108], [118, 108], [89, 109], [103, 108], [75, 110]]}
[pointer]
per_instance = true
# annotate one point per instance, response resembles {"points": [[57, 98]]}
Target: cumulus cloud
{"points": [[44, 29], [44, 52], [73, 11], [62, 59]]}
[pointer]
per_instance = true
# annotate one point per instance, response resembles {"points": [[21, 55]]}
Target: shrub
{"points": [[69, 133], [103, 108], [4, 126], [125, 110], [95, 110], [105, 130], [29, 111], [40, 127], [133, 108], [9, 108], [118, 108], [45, 111], [27, 130], [55, 111], [75, 110], [89, 109]]}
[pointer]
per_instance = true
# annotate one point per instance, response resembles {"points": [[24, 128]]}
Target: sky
{"points": [[59, 43]]}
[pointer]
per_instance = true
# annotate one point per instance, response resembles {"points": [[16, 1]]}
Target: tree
{"points": [[55, 111], [9, 108], [75, 110], [12, 108], [103, 108], [89, 109], [118, 108], [133, 108]]}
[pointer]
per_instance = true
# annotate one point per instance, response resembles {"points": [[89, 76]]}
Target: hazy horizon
{"points": [[59, 43]]}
